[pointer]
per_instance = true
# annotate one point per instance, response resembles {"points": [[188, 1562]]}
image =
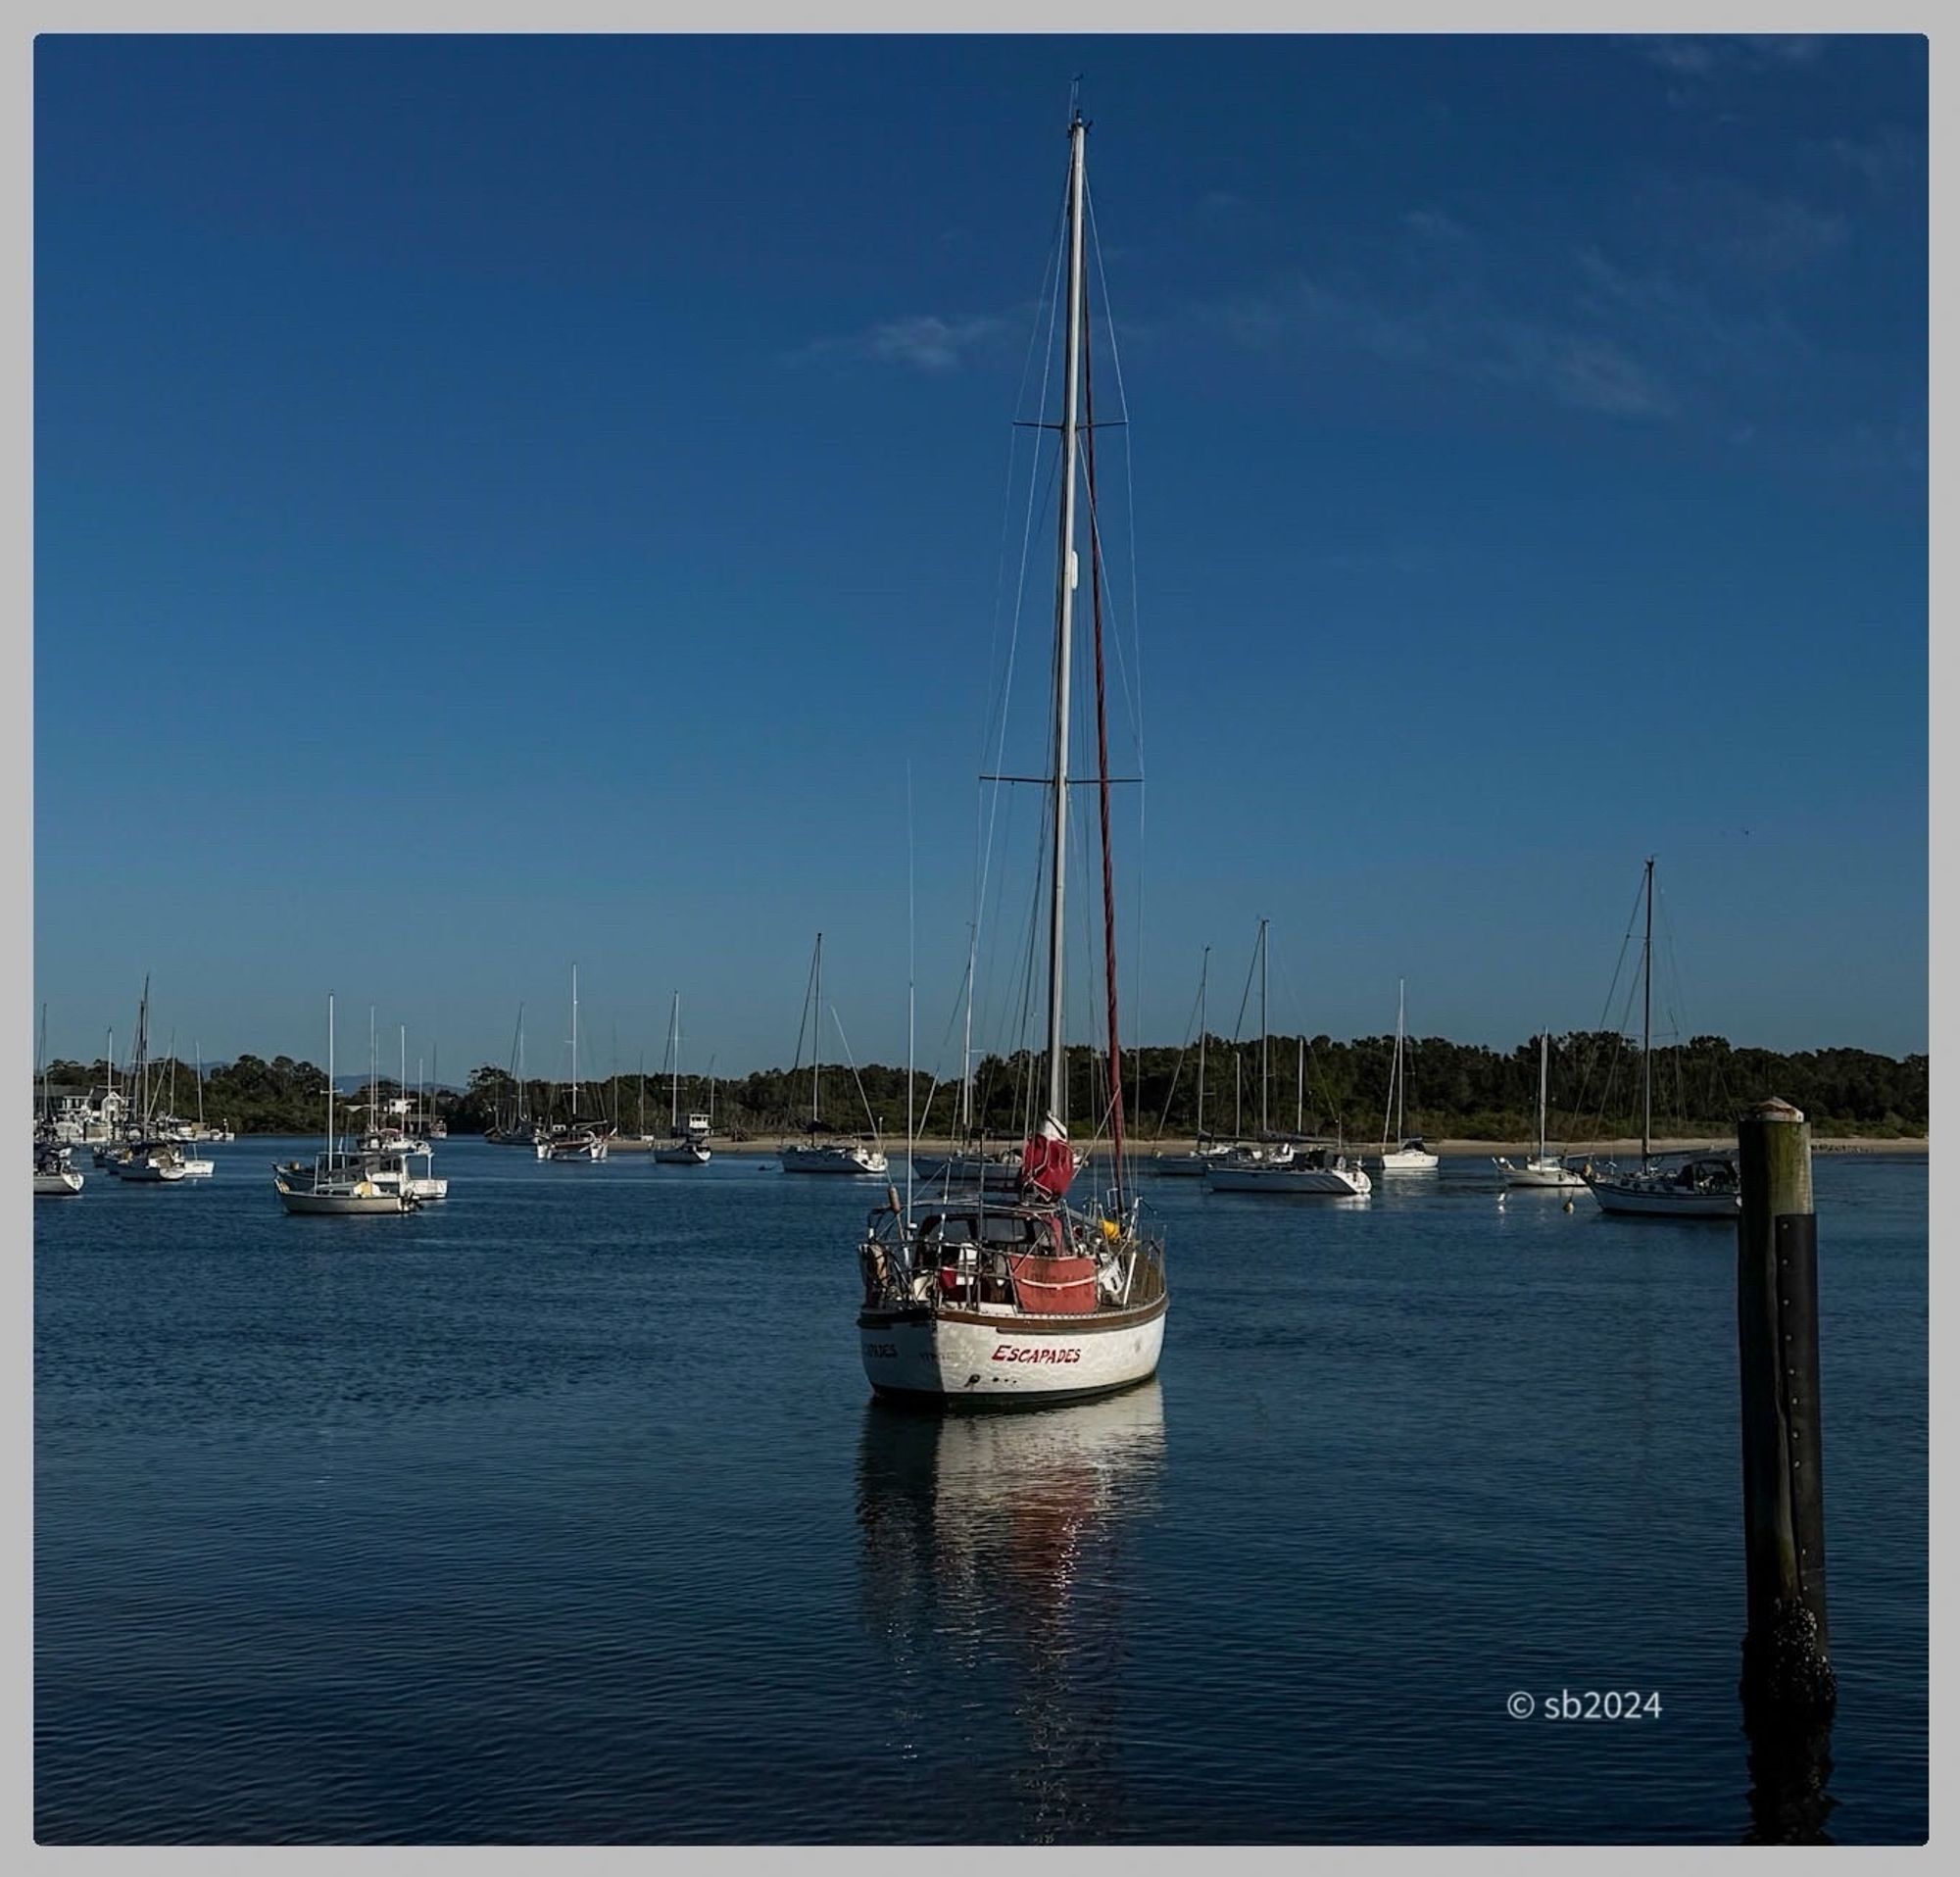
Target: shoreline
{"points": [[1453, 1149]]}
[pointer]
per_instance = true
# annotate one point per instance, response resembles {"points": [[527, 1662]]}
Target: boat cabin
{"points": [[1709, 1173]]}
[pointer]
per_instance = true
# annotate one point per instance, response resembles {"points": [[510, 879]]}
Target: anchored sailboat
{"points": [[1703, 1186], [982, 1298], [54, 1177], [573, 1138], [835, 1156], [1543, 1168], [1412, 1156], [686, 1146], [340, 1184], [404, 1148], [1294, 1169], [512, 1126], [148, 1158]]}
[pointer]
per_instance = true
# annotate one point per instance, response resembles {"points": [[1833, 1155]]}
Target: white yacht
{"points": [[1543, 1169], [848, 1157], [348, 1182], [573, 1139], [684, 1146], [1319, 1169], [148, 1162], [339, 1182], [1703, 1186], [981, 1298], [54, 1177], [1413, 1155], [403, 1160], [836, 1154]]}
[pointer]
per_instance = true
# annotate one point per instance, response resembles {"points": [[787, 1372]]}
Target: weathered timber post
{"points": [[1787, 1649]]}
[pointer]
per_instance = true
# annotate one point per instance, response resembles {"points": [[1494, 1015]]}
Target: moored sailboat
{"points": [[512, 1126], [685, 1146], [838, 1156], [982, 1299], [1413, 1155], [396, 1139], [1314, 1169], [145, 1157], [54, 1177], [1543, 1170], [1698, 1186], [573, 1139], [338, 1182], [1301, 1168]]}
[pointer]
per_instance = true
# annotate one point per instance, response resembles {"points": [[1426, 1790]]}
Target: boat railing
{"points": [[903, 1265]]}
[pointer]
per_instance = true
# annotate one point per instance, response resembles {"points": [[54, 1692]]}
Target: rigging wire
{"points": [[1133, 685], [1177, 1069], [1002, 703], [864, 1098]]}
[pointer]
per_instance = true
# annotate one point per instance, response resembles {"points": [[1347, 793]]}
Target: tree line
{"points": [[1310, 1084]]}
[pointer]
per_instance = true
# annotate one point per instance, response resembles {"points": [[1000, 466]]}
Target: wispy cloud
{"points": [[1882, 157], [1781, 48], [1585, 371], [1707, 337], [1775, 234], [1435, 227], [1703, 55], [1457, 328], [1695, 330], [1689, 311], [1703, 65], [922, 341], [1692, 58]]}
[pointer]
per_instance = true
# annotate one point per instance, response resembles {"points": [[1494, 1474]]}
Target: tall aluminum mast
{"points": [[1057, 1057]]}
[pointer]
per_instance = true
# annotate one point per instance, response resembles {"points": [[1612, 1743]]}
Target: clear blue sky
{"points": [[502, 502]]}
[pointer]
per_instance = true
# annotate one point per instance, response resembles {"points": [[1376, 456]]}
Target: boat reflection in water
{"points": [[996, 1578]]}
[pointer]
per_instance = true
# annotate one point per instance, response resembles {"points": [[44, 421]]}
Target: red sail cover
{"points": [[1047, 1164]]}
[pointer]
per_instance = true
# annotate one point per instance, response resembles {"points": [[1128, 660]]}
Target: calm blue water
{"points": [[561, 1513]]}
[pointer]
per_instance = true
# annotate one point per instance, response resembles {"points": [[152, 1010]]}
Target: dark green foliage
{"points": [[252, 1095], [1455, 1090]]}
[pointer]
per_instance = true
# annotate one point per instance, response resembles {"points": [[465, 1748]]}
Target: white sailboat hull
{"points": [[1292, 1180], [1409, 1160], [562, 1151], [63, 1185], [343, 1205], [975, 1357], [1658, 1201], [139, 1171], [1546, 1174], [848, 1161], [682, 1153]]}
